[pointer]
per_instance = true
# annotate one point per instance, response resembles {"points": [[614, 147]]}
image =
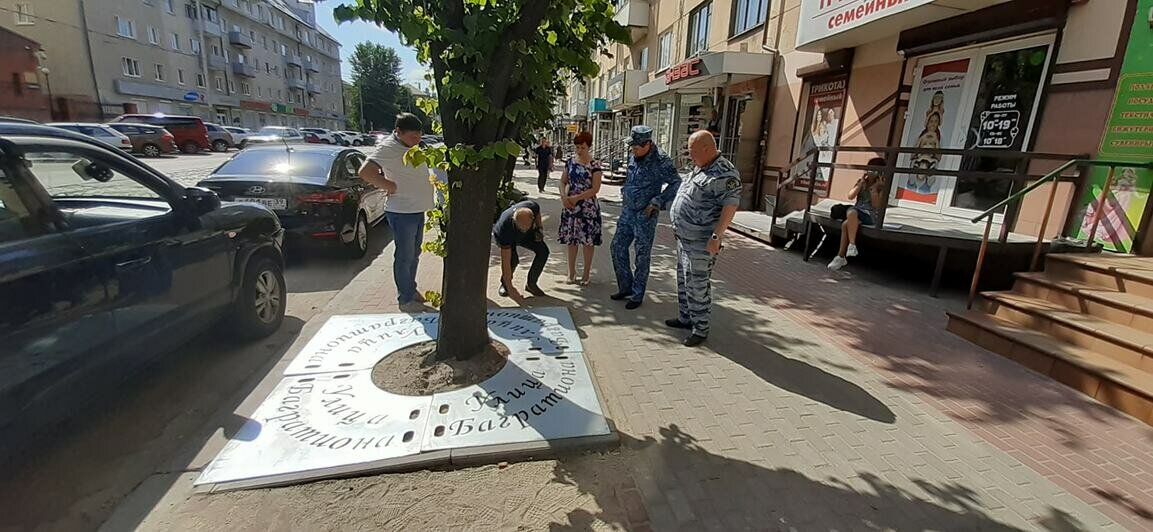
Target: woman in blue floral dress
{"points": [[580, 221]]}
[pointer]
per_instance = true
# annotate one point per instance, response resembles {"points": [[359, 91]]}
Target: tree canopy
{"points": [[498, 66]]}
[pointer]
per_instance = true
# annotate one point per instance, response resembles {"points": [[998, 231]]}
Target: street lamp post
{"points": [[41, 60]]}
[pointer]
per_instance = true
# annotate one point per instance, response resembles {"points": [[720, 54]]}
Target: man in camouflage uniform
{"points": [[648, 171], [701, 214]]}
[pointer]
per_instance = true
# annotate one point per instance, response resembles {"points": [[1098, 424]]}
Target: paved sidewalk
{"points": [[819, 402]]}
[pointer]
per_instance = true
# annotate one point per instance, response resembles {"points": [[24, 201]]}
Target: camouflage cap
{"points": [[639, 136]]}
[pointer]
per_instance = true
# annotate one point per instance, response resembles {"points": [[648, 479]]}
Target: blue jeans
{"points": [[407, 237]]}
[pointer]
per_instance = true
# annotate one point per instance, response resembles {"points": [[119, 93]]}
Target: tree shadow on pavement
{"points": [[675, 483]]}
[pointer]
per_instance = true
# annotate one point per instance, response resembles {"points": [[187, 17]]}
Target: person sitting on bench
{"points": [[869, 193]]}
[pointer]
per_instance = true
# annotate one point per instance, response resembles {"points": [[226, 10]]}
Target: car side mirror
{"points": [[202, 200]]}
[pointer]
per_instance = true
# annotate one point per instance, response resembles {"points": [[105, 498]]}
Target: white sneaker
{"points": [[852, 251], [838, 263]]}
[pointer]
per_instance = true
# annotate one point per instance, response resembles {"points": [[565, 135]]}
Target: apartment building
{"points": [[238, 62], [692, 64]]}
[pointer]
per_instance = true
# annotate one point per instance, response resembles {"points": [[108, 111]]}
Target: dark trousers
{"points": [[540, 256], [541, 178]]}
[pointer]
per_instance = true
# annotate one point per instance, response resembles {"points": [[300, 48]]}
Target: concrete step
{"points": [[1123, 273], [1121, 308], [1119, 385], [1119, 342]]}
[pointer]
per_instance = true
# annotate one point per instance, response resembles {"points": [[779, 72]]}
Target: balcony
{"points": [[312, 88], [217, 62], [213, 29], [311, 65], [296, 83], [244, 69], [624, 89], [240, 40], [634, 15], [293, 60]]}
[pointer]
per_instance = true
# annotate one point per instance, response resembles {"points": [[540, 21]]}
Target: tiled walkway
{"points": [[820, 402]]}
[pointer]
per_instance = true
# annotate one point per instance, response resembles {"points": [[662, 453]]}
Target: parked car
{"points": [[150, 141], [100, 132], [312, 138], [106, 263], [219, 137], [190, 131], [339, 139], [357, 139], [314, 189], [276, 134], [239, 135], [13, 119], [378, 135], [324, 135]]}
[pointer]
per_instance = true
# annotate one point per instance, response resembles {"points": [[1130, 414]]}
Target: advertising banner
{"points": [[932, 123], [825, 18], [1128, 136], [823, 112]]}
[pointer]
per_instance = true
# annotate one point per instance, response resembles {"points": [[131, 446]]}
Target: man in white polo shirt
{"points": [[410, 194]]}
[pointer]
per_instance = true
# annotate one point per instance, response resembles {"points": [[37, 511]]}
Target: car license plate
{"points": [[271, 203]]}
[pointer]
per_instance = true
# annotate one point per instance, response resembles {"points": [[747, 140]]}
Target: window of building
{"points": [[216, 50], [698, 36], [194, 44], [170, 6], [264, 41], [252, 35], [130, 66], [153, 35], [175, 41], [219, 83], [180, 76], [190, 11], [643, 59], [283, 50], [24, 15], [159, 72], [200, 80], [125, 27], [245, 89], [268, 68], [231, 87], [665, 50], [748, 14], [279, 95]]}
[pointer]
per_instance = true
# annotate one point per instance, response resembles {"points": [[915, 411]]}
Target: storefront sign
{"points": [[192, 96], [932, 120], [1000, 124], [1128, 136], [822, 125], [689, 69], [824, 18]]}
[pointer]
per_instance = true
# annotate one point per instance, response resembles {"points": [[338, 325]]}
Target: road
{"points": [[75, 482]]}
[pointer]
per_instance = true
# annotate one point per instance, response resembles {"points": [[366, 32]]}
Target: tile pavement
{"points": [[825, 401]]}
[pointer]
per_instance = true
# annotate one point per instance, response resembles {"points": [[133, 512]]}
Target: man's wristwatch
{"points": [[715, 237]]}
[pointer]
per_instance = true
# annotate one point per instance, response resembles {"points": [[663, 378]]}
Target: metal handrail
{"points": [[1052, 176]]}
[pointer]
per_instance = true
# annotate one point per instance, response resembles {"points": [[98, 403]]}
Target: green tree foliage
{"points": [[376, 74], [498, 66]]}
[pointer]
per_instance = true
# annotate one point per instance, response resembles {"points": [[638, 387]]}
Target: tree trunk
{"points": [[464, 314]]}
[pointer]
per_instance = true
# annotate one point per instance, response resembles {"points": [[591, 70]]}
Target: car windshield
{"points": [[273, 162], [276, 131]]}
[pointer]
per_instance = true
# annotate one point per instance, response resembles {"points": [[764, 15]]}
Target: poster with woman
{"points": [[932, 122], [822, 125]]}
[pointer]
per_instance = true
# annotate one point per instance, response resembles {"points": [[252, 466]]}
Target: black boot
{"points": [[694, 340], [678, 324]]}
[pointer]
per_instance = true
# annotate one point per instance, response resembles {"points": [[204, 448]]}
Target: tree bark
{"points": [[464, 314]]}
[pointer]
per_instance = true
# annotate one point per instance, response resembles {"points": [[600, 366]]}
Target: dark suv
{"points": [[104, 264]]}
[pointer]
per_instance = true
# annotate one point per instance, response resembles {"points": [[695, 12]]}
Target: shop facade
{"points": [[1017, 76], [723, 92]]}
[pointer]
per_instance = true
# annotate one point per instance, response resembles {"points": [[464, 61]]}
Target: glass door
{"points": [[980, 98], [1004, 106]]}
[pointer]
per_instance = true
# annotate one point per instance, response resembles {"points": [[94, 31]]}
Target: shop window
{"points": [[698, 36], [748, 14]]}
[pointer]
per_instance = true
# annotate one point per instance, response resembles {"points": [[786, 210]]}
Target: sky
{"points": [[349, 34]]}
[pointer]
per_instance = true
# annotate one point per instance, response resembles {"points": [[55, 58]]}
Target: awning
{"points": [[709, 70], [831, 25]]}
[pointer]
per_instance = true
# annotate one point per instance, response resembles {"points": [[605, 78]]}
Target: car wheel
{"points": [[326, 141], [358, 245], [259, 310], [190, 147], [356, 143], [151, 150], [219, 146]]}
